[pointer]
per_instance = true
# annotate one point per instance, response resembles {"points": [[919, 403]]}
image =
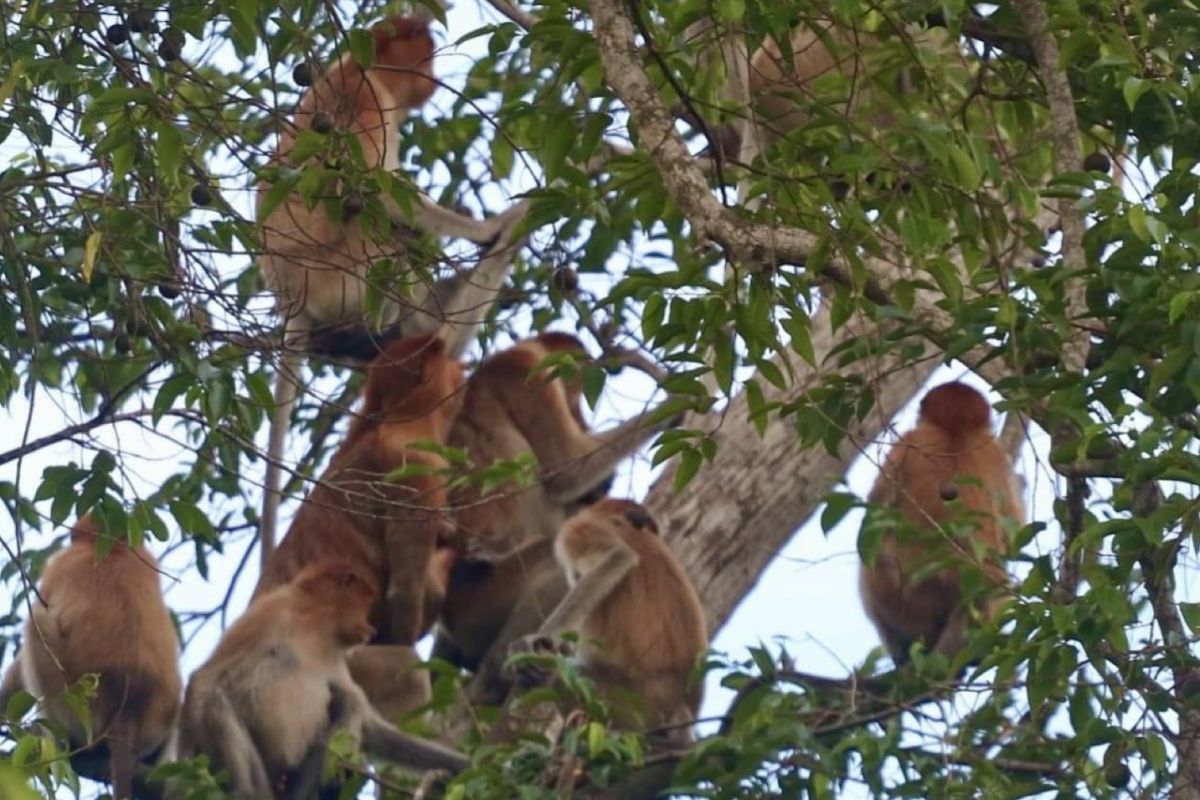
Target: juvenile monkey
{"points": [[103, 616], [389, 529], [317, 266], [278, 686], [950, 453], [640, 622], [511, 409]]}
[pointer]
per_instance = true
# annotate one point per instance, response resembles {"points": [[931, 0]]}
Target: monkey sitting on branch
{"points": [[102, 615], [913, 589], [381, 505], [265, 705], [640, 623]]}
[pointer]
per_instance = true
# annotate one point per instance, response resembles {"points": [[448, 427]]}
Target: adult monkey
{"points": [[511, 408], [778, 81], [317, 265], [391, 530]]}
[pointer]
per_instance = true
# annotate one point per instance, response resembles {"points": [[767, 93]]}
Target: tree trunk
{"points": [[727, 525]]}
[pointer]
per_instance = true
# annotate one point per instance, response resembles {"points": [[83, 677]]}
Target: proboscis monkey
{"points": [[389, 527], [319, 266], [512, 409], [782, 81], [640, 622], [263, 707], [950, 455], [103, 616]]}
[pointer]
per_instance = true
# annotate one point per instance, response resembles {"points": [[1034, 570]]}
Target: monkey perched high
{"points": [[950, 454], [317, 265], [107, 617], [389, 529], [264, 706]]}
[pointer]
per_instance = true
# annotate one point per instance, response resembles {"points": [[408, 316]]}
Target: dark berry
{"points": [[169, 289], [302, 75], [322, 122], [948, 492], [117, 34], [1097, 162], [201, 195]]}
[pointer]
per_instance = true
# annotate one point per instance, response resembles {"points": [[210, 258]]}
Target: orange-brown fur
{"points": [[644, 638], [264, 705], [317, 266], [509, 410], [390, 530], [104, 616], [952, 445]]}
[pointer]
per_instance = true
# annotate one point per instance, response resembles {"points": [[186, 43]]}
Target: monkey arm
{"points": [[381, 738], [233, 748], [410, 543], [567, 479], [593, 586], [430, 216]]}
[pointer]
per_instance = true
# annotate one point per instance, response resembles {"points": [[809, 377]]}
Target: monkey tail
{"points": [[123, 756], [286, 389], [957, 409]]}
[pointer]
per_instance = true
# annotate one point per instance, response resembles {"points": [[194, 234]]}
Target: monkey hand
{"points": [[531, 659]]}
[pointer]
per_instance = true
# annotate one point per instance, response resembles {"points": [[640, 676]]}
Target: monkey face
{"points": [[404, 60]]}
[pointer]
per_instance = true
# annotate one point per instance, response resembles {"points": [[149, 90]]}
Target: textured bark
{"points": [[728, 524]]}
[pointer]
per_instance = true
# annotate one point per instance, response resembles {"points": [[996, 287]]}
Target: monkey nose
{"points": [[638, 517]]}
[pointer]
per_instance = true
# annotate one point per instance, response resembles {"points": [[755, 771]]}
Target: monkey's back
{"points": [[494, 425], [348, 512], [919, 468], [106, 617], [653, 657]]}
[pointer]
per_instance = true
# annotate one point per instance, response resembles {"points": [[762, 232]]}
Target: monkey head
{"points": [[404, 60], [956, 408], [411, 379], [341, 596], [625, 514]]}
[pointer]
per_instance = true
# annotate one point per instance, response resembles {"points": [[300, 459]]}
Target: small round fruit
{"points": [[352, 206], [566, 280], [1038, 262], [169, 289], [201, 195], [302, 74], [141, 20], [322, 122], [948, 492], [1097, 162], [1117, 775], [117, 34], [122, 343], [168, 50], [839, 189]]}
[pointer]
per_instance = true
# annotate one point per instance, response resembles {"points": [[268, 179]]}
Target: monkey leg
{"points": [[389, 676]]}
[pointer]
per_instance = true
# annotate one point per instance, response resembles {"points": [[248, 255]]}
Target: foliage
{"points": [[129, 299]]}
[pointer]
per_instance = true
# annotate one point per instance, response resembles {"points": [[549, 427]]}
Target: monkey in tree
{"points": [[512, 409], [318, 265], [640, 622], [102, 615], [782, 78], [277, 687], [393, 528], [951, 455]]}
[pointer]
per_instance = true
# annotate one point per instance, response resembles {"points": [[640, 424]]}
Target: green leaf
{"points": [[689, 464], [362, 47]]}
